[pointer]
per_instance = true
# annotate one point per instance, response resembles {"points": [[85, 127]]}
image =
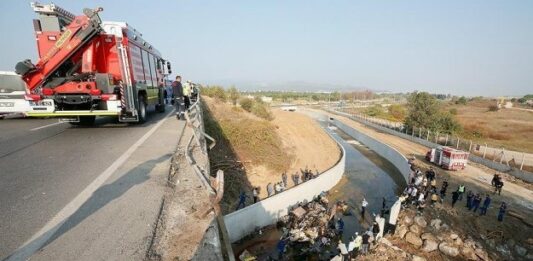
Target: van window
{"points": [[11, 83]]}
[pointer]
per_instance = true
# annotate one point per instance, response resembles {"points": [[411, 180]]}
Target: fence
{"points": [[480, 153], [266, 212]]}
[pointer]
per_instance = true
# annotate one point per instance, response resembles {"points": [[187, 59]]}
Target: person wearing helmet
{"points": [[187, 94]]}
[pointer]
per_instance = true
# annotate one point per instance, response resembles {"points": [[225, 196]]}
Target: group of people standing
{"points": [[183, 94], [278, 187], [422, 188]]}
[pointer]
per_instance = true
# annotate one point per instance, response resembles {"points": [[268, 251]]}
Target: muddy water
{"points": [[367, 175]]}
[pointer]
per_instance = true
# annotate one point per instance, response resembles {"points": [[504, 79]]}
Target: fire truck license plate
{"points": [[41, 103]]}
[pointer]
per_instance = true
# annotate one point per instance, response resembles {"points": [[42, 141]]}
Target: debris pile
{"points": [[311, 229]]}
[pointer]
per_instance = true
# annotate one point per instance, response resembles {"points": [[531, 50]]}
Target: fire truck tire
{"points": [[142, 110]]}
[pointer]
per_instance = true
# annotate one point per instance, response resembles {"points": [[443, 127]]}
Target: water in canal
{"points": [[367, 175]]}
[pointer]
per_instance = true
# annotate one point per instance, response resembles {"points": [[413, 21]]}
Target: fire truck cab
{"points": [[90, 68]]}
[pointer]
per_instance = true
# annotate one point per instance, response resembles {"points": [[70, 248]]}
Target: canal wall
{"points": [[266, 212], [385, 151]]}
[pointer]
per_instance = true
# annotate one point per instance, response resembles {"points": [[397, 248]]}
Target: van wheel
{"points": [[142, 110]]}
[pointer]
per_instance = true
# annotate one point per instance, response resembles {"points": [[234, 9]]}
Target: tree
{"points": [[422, 109], [424, 112], [234, 95]]}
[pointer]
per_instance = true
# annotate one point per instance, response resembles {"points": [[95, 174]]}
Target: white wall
{"points": [[385, 151], [266, 212]]}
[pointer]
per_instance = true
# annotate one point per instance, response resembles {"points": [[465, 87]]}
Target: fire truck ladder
{"points": [[65, 17], [126, 89]]}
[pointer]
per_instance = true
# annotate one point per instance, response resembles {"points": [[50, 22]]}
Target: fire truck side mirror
{"points": [[169, 67]]}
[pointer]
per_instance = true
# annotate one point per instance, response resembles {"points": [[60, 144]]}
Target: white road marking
{"points": [[46, 126], [41, 237]]}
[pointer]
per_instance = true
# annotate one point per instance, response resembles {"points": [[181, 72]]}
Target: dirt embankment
{"points": [[254, 152]]}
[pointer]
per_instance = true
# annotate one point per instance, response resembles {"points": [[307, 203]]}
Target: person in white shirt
{"points": [[344, 251], [363, 207]]}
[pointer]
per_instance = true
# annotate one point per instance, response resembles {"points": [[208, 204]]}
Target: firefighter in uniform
{"points": [[177, 91], [187, 94]]}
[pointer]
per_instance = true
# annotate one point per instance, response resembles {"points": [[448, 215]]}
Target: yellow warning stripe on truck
{"points": [[71, 113]]}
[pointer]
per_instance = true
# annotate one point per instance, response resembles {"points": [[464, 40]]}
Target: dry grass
{"points": [[243, 140], [509, 128], [253, 151]]}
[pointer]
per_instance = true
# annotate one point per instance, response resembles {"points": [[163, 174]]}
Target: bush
{"points": [[246, 104], [493, 107], [261, 110], [216, 92], [461, 101], [374, 111], [453, 111], [234, 95], [397, 111]]}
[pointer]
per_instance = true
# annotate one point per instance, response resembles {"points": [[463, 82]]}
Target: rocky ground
{"points": [[425, 237]]}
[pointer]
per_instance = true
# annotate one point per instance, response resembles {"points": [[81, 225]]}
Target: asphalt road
{"points": [[93, 193]]}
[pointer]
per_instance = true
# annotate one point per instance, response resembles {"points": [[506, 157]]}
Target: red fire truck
{"points": [[448, 158], [90, 68]]}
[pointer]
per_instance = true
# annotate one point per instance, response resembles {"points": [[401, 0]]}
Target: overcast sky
{"points": [[480, 47]]}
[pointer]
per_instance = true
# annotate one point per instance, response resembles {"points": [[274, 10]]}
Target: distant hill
{"points": [[298, 86]]}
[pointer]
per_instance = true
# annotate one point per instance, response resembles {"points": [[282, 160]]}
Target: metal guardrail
{"points": [[214, 185], [194, 118]]}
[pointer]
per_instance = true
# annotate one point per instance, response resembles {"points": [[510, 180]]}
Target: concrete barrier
{"points": [[268, 211], [385, 151]]}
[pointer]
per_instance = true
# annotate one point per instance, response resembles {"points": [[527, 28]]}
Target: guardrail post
{"points": [[503, 154], [446, 142], [470, 147], [437, 138], [457, 147], [523, 158], [427, 138], [485, 150]]}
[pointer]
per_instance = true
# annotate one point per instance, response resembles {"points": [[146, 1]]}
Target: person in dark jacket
{"points": [[476, 202], [485, 206], [177, 91], [469, 199], [501, 213], [455, 197]]}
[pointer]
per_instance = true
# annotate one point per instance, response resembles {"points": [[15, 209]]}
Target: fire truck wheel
{"points": [[142, 110]]}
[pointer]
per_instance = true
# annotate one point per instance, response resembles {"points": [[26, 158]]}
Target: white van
{"points": [[12, 91]]}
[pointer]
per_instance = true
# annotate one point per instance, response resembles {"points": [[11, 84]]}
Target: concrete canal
{"points": [[367, 175]]}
